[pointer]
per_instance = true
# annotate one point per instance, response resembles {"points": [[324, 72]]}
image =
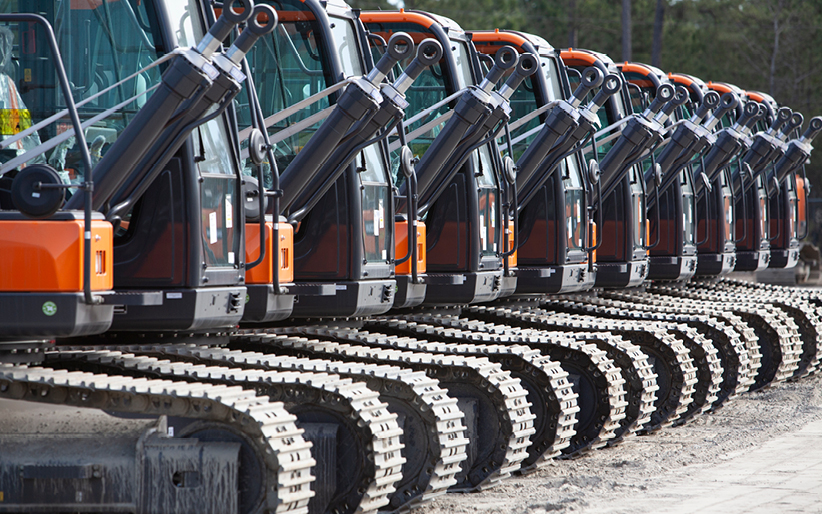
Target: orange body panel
{"points": [[573, 57], [719, 88], [801, 206], [640, 69], [47, 256], [263, 273], [632, 67], [647, 235], [594, 241], [512, 259], [680, 79], [401, 247], [396, 17], [756, 97], [483, 36]]}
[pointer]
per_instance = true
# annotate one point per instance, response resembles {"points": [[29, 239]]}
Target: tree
{"points": [[626, 30], [659, 22]]}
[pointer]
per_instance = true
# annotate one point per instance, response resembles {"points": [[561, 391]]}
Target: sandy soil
{"points": [[610, 480]]}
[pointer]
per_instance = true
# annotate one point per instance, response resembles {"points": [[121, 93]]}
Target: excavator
{"points": [[263, 184], [555, 233], [144, 82], [622, 259], [716, 252], [669, 175]]}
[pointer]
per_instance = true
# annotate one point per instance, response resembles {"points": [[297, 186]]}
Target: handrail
{"points": [[88, 184]]}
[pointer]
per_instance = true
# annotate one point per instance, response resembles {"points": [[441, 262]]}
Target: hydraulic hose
{"points": [[526, 66], [798, 150], [226, 85], [562, 119], [585, 122]]}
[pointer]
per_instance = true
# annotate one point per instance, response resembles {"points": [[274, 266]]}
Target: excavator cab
{"points": [[458, 185], [671, 207], [554, 229], [752, 208], [53, 278], [716, 252], [340, 209], [622, 259], [168, 247]]}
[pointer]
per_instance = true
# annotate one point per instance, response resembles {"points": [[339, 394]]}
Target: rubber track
{"points": [[552, 399], [640, 380], [676, 394], [774, 328], [379, 432], [704, 354], [509, 448], [410, 390], [600, 416], [269, 427]]}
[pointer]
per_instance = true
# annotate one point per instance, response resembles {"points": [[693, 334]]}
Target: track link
{"points": [[376, 435], [799, 303], [266, 424], [553, 401], [596, 379], [676, 375], [498, 444], [640, 381], [704, 354], [430, 419], [778, 335], [735, 340]]}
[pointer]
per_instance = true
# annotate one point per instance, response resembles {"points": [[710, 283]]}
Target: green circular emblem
{"points": [[49, 308], [247, 298]]}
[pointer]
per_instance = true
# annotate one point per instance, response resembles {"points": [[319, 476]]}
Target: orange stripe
{"points": [[578, 57], [498, 35], [396, 17], [720, 88], [756, 97], [679, 79], [630, 67]]}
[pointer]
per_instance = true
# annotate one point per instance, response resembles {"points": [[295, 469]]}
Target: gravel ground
{"points": [[611, 480]]}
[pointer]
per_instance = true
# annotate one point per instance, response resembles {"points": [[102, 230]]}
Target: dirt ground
{"points": [[643, 474]]}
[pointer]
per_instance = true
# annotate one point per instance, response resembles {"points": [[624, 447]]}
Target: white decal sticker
{"points": [[375, 223], [212, 228], [483, 241], [229, 212], [174, 296], [231, 257]]}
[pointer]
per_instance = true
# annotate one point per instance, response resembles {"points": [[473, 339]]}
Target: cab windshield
{"points": [[524, 101], [431, 86], [288, 66], [101, 44]]}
